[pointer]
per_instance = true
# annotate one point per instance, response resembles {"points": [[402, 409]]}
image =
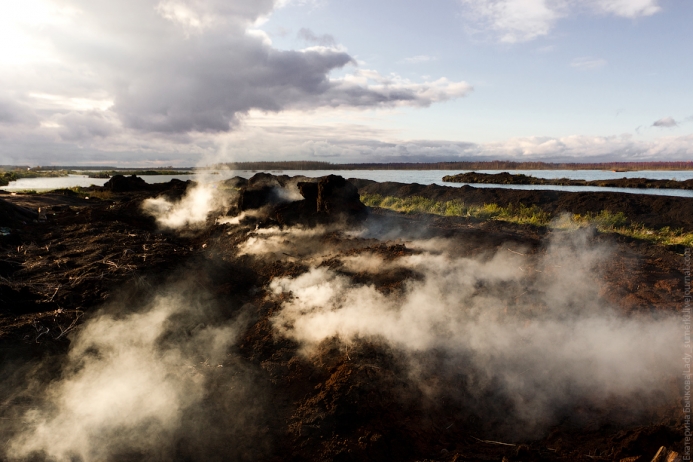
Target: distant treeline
{"points": [[110, 173], [469, 165], [14, 174], [102, 168]]}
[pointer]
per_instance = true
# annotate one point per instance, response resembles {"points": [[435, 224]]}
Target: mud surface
{"points": [[61, 266], [519, 178]]}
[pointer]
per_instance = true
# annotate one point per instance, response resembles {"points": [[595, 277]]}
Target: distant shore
{"points": [[520, 179], [501, 165], [14, 173], [462, 165]]}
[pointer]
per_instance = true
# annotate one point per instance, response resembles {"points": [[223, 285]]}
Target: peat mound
{"points": [[121, 183], [15, 216], [329, 199], [521, 179], [652, 211]]}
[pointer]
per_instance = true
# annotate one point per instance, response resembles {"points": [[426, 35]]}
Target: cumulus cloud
{"points": [[665, 122], [358, 143], [180, 66], [628, 8], [514, 21]]}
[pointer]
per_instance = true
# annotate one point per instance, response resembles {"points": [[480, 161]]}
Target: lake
{"points": [[400, 176]]}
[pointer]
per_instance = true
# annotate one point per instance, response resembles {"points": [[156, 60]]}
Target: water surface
{"points": [[401, 176]]}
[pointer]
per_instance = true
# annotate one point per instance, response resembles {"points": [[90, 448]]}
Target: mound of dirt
{"points": [[325, 200], [652, 211], [15, 216], [120, 183]]}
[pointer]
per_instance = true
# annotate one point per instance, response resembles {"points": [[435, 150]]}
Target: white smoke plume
{"points": [[192, 210], [239, 218], [127, 385], [534, 328], [277, 242], [312, 244]]}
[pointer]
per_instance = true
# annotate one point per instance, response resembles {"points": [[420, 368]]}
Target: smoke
{"points": [[289, 192], [277, 242], [259, 213], [310, 244], [133, 384], [191, 210], [531, 330]]}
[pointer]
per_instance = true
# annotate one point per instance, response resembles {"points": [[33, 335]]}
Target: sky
{"points": [[184, 83]]}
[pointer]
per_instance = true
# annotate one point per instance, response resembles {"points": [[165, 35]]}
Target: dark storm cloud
{"points": [[309, 36]]}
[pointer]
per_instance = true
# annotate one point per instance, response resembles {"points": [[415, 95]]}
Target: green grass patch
{"points": [[605, 221], [456, 208]]}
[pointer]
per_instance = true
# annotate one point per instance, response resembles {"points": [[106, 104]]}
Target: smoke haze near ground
{"points": [[533, 330], [518, 338], [143, 384]]}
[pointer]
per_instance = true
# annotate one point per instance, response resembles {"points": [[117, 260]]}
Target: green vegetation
{"points": [[85, 193], [456, 208], [605, 221], [15, 174], [6, 177]]}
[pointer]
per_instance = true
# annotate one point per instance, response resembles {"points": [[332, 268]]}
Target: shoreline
{"points": [[506, 178]]}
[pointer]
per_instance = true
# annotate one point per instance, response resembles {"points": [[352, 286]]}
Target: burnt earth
{"points": [[339, 405]]}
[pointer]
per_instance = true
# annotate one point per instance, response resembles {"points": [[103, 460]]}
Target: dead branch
{"points": [[493, 442]]}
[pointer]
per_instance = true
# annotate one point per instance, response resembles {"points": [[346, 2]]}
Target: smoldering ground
{"points": [[216, 199], [350, 327], [193, 209], [519, 341], [157, 379]]}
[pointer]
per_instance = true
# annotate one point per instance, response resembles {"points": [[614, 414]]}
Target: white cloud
{"points": [[628, 8], [513, 21], [177, 67], [588, 63], [665, 122], [361, 143]]}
